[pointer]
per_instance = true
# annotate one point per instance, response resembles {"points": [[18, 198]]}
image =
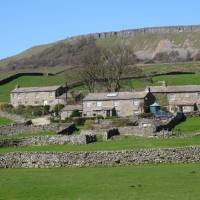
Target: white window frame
{"points": [[136, 102], [171, 97], [116, 103], [88, 104], [99, 103]]}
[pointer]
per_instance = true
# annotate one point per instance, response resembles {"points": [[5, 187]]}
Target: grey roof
{"points": [[35, 89], [72, 107], [155, 104], [115, 96], [178, 88]]}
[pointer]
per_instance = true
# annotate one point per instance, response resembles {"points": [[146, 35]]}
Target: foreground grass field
{"points": [[121, 143], [192, 124], [145, 182], [4, 121]]}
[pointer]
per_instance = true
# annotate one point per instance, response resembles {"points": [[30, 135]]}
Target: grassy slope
{"points": [[192, 124], [26, 135], [188, 79], [147, 182], [29, 81], [140, 42], [117, 144]]}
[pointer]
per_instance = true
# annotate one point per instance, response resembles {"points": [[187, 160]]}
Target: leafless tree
{"points": [[115, 63], [90, 60]]}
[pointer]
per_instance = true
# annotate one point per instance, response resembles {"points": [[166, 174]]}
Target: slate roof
{"points": [[171, 89], [35, 89], [115, 96]]}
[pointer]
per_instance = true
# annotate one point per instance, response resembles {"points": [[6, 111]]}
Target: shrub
{"points": [[6, 107], [89, 124], [75, 113], [146, 115], [57, 108]]}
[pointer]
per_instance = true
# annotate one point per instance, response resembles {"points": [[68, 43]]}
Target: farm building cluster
{"points": [[185, 98]]}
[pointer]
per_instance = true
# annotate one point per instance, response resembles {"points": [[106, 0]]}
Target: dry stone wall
{"points": [[22, 128], [46, 140], [109, 158]]}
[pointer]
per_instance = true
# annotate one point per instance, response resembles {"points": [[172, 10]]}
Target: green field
{"points": [[34, 81], [29, 81], [4, 121], [26, 135], [127, 85], [120, 143], [192, 124], [145, 182]]}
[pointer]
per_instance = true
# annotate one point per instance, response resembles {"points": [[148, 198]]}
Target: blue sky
{"points": [[26, 23]]}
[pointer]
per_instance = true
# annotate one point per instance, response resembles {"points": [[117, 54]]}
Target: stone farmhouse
{"points": [[185, 98], [36, 96], [120, 104]]}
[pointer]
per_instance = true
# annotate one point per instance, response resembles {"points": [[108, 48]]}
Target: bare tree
{"points": [[90, 64], [115, 63]]}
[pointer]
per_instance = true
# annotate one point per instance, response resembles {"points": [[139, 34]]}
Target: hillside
{"points": [[151, 45]]}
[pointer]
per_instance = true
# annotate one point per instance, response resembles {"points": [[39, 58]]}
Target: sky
{"points": [[26, 23]]}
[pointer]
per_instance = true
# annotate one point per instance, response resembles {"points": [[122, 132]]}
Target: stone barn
{"points": [[36, 96]]}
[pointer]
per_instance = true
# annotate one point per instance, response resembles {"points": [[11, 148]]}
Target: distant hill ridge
{"points": [[167, 44], [145, 31]]}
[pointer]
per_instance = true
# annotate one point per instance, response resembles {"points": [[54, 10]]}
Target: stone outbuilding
{"points": [[35, 96], [69, 109], [184, 98], [120, 104]]}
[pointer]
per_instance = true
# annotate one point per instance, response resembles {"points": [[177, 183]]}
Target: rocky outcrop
{"points": [[145, 31], [106, 158]]}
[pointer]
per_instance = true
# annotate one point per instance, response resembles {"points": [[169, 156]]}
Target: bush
{"points": [[57, 108], [75, 113], [89, 124], [146, 115], [27, 111], [6, 107]]}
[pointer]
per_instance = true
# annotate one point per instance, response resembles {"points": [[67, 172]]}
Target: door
{"points": [[107, 113]]}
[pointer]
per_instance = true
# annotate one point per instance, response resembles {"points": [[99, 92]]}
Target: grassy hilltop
{"points": [[147, 43]]}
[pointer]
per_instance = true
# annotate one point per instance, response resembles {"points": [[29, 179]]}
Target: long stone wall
{"points": [[111, 158], [22, 128]]}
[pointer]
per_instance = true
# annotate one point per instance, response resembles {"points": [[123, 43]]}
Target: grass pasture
{"points": [[4, 121], [27, 135], [192, 124], [145, 182], [120, 143], [29, 81], [34, 81]]}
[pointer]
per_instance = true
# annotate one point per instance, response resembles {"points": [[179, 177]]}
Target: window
{"points": [[136, 102], [99, 103], [116, 103], [89, 104], [36, 102], [51, 94], [171, 97]]}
